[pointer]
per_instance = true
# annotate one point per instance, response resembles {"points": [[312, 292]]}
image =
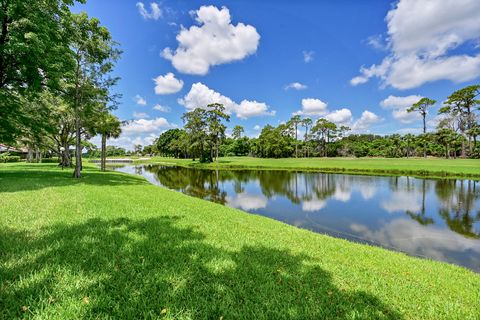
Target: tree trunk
{"points": [[30, 154], [296, 141], [78, 150], [424, 137], [463, 155], [103, 159]]}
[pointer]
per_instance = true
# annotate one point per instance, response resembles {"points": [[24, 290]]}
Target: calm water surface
{"points": [[438, 219]]}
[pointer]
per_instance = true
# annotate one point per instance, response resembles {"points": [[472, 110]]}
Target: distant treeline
{"points": [[203, 135]]}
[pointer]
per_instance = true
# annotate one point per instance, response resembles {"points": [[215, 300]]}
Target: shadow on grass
{"points": [[125, 269], [34, 177]]}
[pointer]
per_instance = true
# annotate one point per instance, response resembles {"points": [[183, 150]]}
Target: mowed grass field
{"points": [[432, 167], [112, 246]]}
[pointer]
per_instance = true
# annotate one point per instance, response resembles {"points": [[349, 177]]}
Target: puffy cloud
{"points": [[341, 116], [312, 107], [215, 41], [140, 100], [145, 126], [367, 119], [200, 96], [161, 108], [257, 127], [167, 84], [140, 115], [155, 11], [421, 37], [296, 86], [308, 56], [248, 109], [399, 106]]}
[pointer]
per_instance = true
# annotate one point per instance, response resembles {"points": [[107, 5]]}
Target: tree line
{"points": [[55, 79], [203, 135]]}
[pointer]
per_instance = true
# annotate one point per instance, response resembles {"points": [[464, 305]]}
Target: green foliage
{"points": [[6, 157]]}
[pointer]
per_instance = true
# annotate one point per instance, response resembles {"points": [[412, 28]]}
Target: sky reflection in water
{"points": [[438, 219]]}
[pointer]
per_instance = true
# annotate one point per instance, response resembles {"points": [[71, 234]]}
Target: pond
{"points": [[436, 219]]}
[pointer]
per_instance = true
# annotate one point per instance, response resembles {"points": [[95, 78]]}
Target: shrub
{"points": [[6, 157]]}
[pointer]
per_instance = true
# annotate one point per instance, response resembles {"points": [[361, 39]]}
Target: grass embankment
{"points": [[112, 245], [430, 167]]}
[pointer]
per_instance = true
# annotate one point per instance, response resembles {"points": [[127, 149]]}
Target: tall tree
{"points": [[215, 115], [307, 124], [294, 122], [33, 37], [324, 129], [421, 106], [196, 128], [462, 104], [237, 132], [94, 53]]}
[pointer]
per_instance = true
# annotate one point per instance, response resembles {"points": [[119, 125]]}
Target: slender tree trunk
{"points": [[447, 151], [296, 141], [78, 150], [103, 159], [424, 137]]}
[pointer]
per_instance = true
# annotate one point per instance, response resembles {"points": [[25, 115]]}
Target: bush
{"points": [[50, 160], [6, 157]]}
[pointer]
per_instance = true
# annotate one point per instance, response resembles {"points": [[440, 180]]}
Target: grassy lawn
{"points": [[432, 167], [113, 246]]}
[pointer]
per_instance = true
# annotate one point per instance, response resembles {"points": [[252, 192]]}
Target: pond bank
{"points": [[417, 167], [113, 245]]}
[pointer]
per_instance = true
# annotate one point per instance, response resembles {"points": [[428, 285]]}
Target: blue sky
{"points": [[358, 63]]}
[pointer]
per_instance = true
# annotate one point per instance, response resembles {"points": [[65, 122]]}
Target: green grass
{"points": [[430, 167], [113, 246]]}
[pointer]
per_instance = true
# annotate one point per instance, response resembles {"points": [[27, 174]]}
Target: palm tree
{"points": [[109, 127], [421, 106]]}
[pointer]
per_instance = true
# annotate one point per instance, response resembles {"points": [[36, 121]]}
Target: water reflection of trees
{"points": [[457, 198], [204, 184]]}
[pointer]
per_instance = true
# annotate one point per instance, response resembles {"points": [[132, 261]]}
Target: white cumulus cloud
{"points": [[422, 35], [213, 42], [167, 84], [155, 11], [341, 116], [312, 107], [367, 119], [200, 96], [145, 126]]}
